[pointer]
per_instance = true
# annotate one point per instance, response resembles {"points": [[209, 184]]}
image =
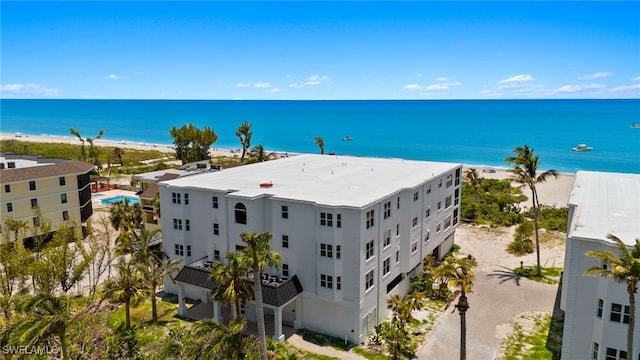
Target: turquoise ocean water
{"points": [[481, 132]]}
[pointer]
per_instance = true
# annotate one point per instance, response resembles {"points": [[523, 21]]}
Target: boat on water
{"points": [[635, 126], [347, 138], [582, 147]]}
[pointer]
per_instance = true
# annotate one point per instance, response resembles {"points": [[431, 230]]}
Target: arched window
{"points": [[241, 213]]}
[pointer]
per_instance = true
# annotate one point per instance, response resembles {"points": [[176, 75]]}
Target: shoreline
{"points": [[554, 192]]}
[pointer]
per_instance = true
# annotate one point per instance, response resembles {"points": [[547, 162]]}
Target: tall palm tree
{"points": [[47, 317], [525, 173], [230, 277], [129, 288], [458, 275], [151, 263], [259, 255], [624, 269], [225, 342], [259, 154], [320, 142], [243, 132], [83, 151], [472, 177], [126, 218]]}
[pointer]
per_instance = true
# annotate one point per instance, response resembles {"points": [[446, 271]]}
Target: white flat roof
{"points": [[153, 176], [607, 203], [324, 179]]}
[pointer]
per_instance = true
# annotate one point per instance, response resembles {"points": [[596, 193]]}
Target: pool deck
{"points": [[95, 201]]}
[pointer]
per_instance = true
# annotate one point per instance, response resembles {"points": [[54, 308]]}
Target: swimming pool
{"points": [[119, 198]]}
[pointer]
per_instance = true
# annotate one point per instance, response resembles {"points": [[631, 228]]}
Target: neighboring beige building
{"points": [[60, 188]]}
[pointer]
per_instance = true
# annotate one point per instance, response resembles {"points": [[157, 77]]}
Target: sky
{"points": [[298, 50]]}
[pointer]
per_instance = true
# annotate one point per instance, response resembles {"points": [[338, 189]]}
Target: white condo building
{"points": [[597, 309], [351, 232]]}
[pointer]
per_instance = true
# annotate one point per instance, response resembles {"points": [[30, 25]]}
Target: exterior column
{"points": [[277, 325], [233, 310], [216, 311], [297, 321], [182, 308]]}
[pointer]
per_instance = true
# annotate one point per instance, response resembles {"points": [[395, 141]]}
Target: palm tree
{"points": [[225, 342], [126, 218], [259, 255], [47, 317], [624, 269], [230, 277], [83, 151], [525, 172], [118, 152], [151, 263], [320, 143], [129, 288], [258, 154], [244, 134], [458, 275]]}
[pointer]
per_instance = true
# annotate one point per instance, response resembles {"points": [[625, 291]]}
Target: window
{"points": [[326, 250], [414, 247], [62, 181], [216, 255], [175, 198], [63, 198], [426, 237], [455, 216], [241, 213], [188, 250], [387, 209], [7, 188], [329, 219], [440, 183], [179, 250], [214, 202], [216, 229], [439, 205], [339, 220], [285, 270], [34, 203], [398, 203], [369, 250], [187, 225], [438, 228], [177, 224], [65, 215], [339, 283], [414, 223], [599, 308], [427, 213], [338, 251], [456, 194], [32, 185], [370, 215], [615, 354], [397, 256], [594, 353], [447, 202], [449, 180], [429, 190], [368, 280], [9, 207], [285, 211], [447, 222], [326, 219], [397, 229], [285, 241], [186, 199], [617, 315], [387, 238], [326, 281], [416, 196], [457, 177], [36, 221], [386, 266]]}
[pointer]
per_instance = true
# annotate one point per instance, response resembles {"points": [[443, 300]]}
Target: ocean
{"points": [[478, 132]]}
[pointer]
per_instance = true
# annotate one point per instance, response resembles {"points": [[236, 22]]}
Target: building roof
{"points": [[606, 203], [154, 176], [323, 179], [152, 190], [31, 168]]}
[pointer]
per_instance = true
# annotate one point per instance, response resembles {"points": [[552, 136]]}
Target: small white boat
{"points": [[582, 147], [635, 126], [347, 138]]}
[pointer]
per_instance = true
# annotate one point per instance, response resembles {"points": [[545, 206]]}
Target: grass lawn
{"points": [[549, 275], [532, 344]]}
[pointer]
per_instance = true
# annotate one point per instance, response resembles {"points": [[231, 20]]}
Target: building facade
{"points": [[351, 232], [58, 188], [597, 309]]}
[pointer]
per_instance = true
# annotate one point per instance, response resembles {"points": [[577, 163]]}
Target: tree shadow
{"points": [[505, 275]]}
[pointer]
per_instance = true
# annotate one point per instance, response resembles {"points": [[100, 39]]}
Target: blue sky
{"points": [[320, 50]]}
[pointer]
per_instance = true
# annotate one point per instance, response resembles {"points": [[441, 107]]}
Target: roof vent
{"points": [[266, 185], [11, 165]]}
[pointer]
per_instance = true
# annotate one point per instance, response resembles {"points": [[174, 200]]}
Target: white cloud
{"points": [[274, 90], [295, 86], [594, 76], [112, 77], [27, 89], [412, 87], [626, 88], [242, 85], [442, 83], [576, 88], [517, 79], [316, 80], [637, 78], [262, 85], [437, 87], [442, 79]]}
